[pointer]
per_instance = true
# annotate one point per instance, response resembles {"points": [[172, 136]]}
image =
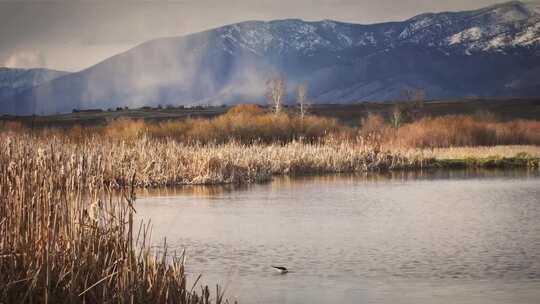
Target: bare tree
{"points": [[397, 116], [302, 100], [275, 93], [413, 103]]}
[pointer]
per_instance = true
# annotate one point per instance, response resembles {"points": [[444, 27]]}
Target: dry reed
{"points": [[168, 162], [66, 237]]}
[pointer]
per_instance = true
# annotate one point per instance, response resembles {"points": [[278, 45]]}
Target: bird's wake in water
{"points": [[281, 269]]}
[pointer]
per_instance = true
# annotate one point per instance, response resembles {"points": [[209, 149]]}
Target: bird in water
{"points": [[281, 269]]}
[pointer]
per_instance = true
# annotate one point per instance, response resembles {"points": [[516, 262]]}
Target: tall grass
{"points": [[168, 162], [66, 237], [451, 131]]}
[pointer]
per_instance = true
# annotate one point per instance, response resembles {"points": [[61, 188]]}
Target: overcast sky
{"points": [[71, 35]]}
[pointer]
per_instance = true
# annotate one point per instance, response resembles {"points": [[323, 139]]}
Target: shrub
{"points": [[124, 128], [462, 130]]}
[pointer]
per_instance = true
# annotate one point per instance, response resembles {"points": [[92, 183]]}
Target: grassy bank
{"points": [[486, 157]]}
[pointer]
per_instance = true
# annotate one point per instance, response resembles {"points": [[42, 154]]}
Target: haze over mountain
{"points": [[14, 81], [491, 52]]}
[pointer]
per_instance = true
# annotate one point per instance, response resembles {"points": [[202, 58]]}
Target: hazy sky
{"points": [[72, 35]]}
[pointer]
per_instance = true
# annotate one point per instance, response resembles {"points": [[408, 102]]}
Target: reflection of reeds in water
{"points": [[202, 191], [63, 239], [360, 178]]}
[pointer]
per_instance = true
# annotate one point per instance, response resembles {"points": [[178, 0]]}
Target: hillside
{"points": [[14, 81], [494, 51]]}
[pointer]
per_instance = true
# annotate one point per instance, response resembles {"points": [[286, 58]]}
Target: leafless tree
{"points": [[413, 105], [397, 116], [302, 100], [275, 93]]}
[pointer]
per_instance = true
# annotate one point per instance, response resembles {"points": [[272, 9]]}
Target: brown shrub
{"points": [[123, 128], [246, 109], [373, 123], [461, 130], [517, 132], [170, 129], [249, 124]]}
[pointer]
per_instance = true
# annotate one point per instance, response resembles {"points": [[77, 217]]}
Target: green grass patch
{"points": [[519, 161]]}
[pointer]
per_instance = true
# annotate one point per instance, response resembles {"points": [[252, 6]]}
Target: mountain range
{"points": [[490, 52]]}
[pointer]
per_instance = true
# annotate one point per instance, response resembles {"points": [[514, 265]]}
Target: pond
{"points": [[437, 237]]}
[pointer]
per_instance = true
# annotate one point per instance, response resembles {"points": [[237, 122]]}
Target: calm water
{"points": [[448, 237]]}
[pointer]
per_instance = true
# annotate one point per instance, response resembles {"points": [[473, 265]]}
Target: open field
{"points": [[99, 117], [502, 109]]}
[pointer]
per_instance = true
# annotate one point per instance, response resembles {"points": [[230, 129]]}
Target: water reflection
{"points": [[404, 237], [209, 191], [202, 191]]}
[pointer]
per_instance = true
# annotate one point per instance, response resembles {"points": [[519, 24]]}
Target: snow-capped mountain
{"points": [[490, 52], [494, 28], [14, 81]]}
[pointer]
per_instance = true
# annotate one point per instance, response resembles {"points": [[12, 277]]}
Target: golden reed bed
{"points": [[65, 239], [162, 163], [168, 162]]}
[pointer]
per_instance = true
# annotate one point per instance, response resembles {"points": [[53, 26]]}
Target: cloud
{"points": [[25, 60]]}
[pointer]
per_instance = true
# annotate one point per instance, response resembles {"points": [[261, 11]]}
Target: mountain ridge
{"points": [[16, 80], [493, 51]]}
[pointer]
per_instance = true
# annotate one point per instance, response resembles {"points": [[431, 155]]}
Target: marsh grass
{"points": [[167, 162], [65, 238]]}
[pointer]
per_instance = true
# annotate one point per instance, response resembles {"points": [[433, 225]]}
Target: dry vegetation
{"points": [[459, 131], [483, 152], [67, 236], [168, 162], [453, 131], [249, 124], [65, 239]]}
